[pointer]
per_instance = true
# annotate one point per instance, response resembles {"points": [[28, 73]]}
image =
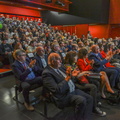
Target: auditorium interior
{"points": [[73, 17]]}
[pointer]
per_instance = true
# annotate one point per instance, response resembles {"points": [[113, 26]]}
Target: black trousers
{"points": [[92, 90], [26, 87], [82, 102]]}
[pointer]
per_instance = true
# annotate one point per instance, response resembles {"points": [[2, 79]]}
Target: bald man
{"points": [[64, 93]]}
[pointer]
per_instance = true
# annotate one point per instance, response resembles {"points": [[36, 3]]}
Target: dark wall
{"points": [[81, 12], [55, 18], [91, 9]]}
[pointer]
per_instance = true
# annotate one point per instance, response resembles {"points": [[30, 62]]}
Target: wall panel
{"points": [[100, 31], [81, 29], [18, 10], [114, 31], [114, 12]]}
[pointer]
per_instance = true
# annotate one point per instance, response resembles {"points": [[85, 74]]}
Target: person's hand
{"points": [[86, 73], [68, 73], [118, 51], [110, 53], [68, 70], [32, 63], [92, 62], [108, 57], [67, 78], [75, 73], [66, 49]]}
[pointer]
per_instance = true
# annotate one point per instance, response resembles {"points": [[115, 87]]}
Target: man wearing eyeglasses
{"points": [[25, 71], [60, 84]]}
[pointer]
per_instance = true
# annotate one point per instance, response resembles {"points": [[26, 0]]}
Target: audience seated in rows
{"points": [[47, 40]]}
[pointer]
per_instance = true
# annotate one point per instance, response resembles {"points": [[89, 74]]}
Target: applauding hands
{"points": [[32, 63]]}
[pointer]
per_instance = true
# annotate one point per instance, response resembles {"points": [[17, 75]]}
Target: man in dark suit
{"points": [[26, 71], [41, 59], [99, 65], [56, 49], [60, 84]]}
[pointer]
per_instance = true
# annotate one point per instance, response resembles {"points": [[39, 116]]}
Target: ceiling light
{"points": [[48, 1]]}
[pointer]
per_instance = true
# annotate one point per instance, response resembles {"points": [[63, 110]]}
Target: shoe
{"points": [[29, 107], [99, 104], [103, 97], [99, 112]]}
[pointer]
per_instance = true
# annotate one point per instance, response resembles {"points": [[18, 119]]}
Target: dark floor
{"points": [[10, 110]]}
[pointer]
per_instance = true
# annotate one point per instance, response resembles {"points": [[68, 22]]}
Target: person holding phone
{"points": [[25, 70]]}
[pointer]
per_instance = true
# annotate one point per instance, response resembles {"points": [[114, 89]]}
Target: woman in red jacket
{"points": [[85, 65]]}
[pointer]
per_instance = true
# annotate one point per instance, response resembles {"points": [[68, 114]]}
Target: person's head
{"points": [[20, 55], [74, 47], [104, 42], [71, 57], [4, 41], [47, 43], [18, 46], [95, 49], [55, 47], [61, 44], [101, 47], [82, 53], [70, 42], [88, 31], [54, 60], [86, 43], [39, 44], [32, 43], [91, 43], [110, 45], [83, 36], [40, 51], [80, 44]]}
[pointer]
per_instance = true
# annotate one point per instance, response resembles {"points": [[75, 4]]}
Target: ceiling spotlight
{"points": [[48, 1], [59, 3]]}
